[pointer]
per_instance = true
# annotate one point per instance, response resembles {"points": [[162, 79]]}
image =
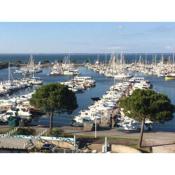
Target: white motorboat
{"points": [[35, 81], [23, 111], [122, 76], [71, 72], [56, 69]]}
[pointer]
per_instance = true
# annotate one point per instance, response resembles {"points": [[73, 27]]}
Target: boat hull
{"points": [[169, 77]]}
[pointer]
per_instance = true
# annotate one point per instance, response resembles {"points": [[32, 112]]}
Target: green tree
{"points": [[147, 104], [53, 98]]}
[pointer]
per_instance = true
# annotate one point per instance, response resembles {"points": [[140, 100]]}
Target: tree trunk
{"points": [[51, 121], [141, 133]]}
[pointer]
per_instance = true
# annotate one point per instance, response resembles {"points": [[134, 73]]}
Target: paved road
{"points": [[150, 138]]}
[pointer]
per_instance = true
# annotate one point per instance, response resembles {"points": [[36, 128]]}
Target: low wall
{"points": [[164, 149], [97, 147], [63, 144], [123, 149]]}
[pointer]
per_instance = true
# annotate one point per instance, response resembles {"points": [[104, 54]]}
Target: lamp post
{"points": [[95, 127], [106, 145], [74, 142]]}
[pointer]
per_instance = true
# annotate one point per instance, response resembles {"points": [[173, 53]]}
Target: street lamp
{"points": [[95, 127], [74, 142]]}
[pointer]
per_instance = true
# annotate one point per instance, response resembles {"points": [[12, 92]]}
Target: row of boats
{"points": [[7, 87], [64, 68], [115, 68], [161, 69], [119, 69], [107, 107], [57, 68], [30, 68], [12, 85], [79, 83], [16, 107], [104, 107]]}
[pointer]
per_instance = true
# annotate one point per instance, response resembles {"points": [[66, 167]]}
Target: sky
{"points": [[87, 37]]}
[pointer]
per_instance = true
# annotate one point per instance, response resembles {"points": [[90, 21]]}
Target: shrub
{"points": [[56, 132], [25, 131]]}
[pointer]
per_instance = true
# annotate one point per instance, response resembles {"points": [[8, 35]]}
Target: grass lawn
{"points": [[5, 129]]}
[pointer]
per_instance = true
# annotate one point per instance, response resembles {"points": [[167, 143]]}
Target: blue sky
{"points": [[86, 37]]}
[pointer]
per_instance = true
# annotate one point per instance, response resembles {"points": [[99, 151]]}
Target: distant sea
{"points": [[81, 58]]}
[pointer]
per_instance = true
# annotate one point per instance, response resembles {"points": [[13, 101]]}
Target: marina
{"points": [[103, 84]]}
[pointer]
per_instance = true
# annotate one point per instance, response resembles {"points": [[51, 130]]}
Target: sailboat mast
{"points": [[9, 72], [162, 59], [155, 59]]}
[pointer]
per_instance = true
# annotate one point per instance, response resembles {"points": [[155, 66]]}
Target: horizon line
{"points": [[79, 53]]}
